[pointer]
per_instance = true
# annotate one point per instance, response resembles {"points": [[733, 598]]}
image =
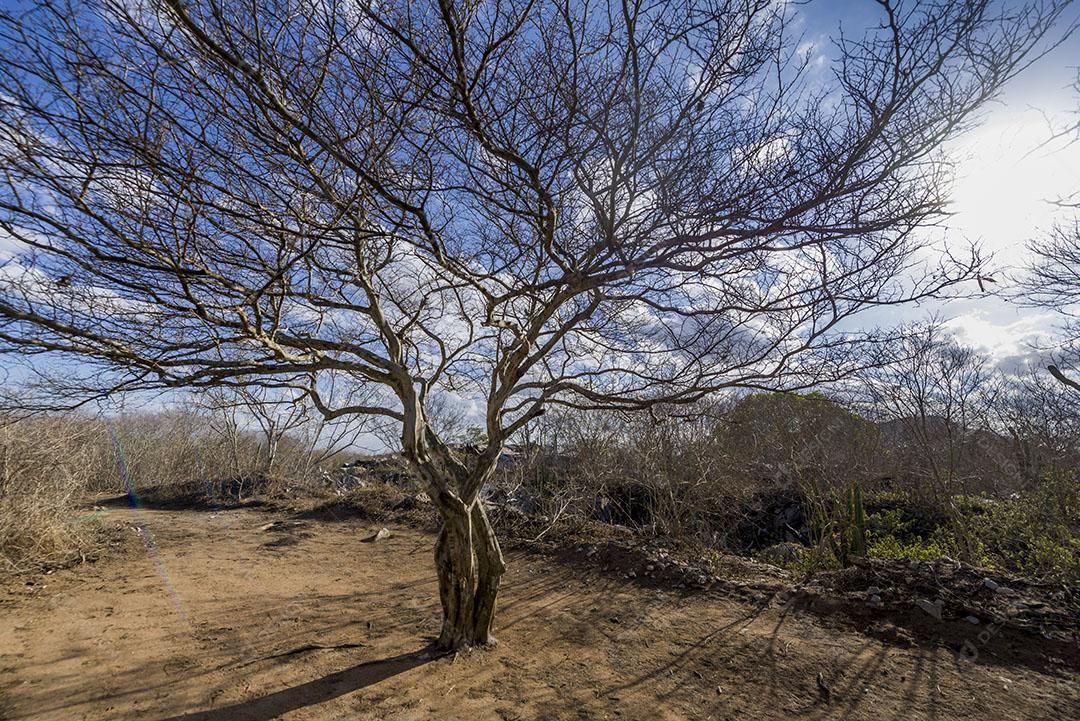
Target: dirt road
{"points": [[219, 616]]}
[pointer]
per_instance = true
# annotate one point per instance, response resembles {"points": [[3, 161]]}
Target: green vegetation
{"points": [[1035, 534], [892, 536]]}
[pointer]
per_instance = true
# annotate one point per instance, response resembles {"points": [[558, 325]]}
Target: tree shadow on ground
{"points": [[316, 691], [182, 498]]}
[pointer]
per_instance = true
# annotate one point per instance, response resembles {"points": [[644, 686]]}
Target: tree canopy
{"points": [[525, 203]]}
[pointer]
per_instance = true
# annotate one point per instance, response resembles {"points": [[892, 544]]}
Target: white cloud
{"points": [[1005, 181], [999, 329]]}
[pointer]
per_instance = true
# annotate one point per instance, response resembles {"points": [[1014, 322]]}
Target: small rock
{"points": [[383, 534], [934, 609], [650, 568], [973, 620], [875, 600], [873, 590], [990, 584]]}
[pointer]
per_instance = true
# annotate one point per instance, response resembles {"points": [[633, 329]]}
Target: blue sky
{"points": [[1003, 180]]}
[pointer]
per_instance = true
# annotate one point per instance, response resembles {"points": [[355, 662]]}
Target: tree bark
{"points": [[468, 560], [470, 565]]}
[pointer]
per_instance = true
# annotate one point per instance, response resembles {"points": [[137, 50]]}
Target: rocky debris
{"points": [[953, 592], [393, 469], [212, 494], [388, 468], [659, 563], [519, 500], [409, 503], [772, 517], [376, 505]]}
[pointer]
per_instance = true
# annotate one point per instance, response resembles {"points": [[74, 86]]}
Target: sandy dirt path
{"points": [[219, 618]]}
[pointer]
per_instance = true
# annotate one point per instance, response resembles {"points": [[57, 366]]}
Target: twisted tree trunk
{"points": [[470, 565], [468, 560]]}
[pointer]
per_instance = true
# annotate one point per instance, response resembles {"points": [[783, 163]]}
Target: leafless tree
{"points": [[529, 204], [1053, 282], [937, 396], [1043, 419], [937, 401], [326, 439], [225, 420], [236, 410], [1053, 278]]}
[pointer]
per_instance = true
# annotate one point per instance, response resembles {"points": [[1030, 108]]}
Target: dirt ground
{"points": [[242, 614]]}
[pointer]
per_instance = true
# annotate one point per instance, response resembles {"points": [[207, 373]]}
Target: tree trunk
{"points": [[470, 566]]}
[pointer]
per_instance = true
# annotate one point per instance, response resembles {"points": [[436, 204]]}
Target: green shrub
{"points": [[1035, 534]]}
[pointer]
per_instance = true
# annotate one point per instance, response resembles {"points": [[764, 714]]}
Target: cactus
{"points": [[858, 522]]}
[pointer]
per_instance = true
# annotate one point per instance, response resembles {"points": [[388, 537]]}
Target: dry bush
{"points": [[808, 481], [709, 472], [187, 444], [45, 469], [175, 448], [50, 465]]}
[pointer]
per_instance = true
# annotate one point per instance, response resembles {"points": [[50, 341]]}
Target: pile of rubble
{"points": [[655, 561], [948, 590]]}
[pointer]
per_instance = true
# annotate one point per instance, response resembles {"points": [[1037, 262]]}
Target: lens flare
{"points": [[140, 523]]}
